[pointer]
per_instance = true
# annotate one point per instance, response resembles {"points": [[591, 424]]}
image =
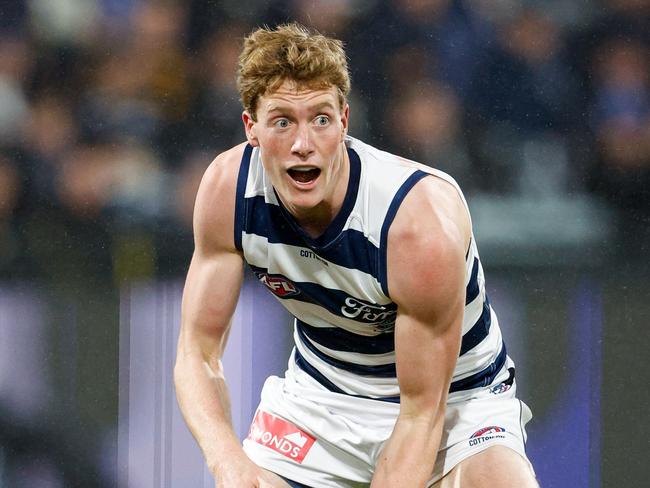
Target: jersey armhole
{"points": [[240, 200], [390, 216]]}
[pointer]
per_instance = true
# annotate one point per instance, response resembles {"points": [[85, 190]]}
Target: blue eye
{"points": [[322, 120], [282, 123]]}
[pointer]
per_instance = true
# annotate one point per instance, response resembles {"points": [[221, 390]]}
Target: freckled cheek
{"points": [[272, 165], [274, 151], [329, 144]]}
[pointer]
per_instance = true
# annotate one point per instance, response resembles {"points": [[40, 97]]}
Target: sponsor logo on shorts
{"points": [[278, 285], [486, 434], [500, 388], [281, 436]]}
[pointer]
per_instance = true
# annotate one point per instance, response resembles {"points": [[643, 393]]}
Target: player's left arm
{"points": [[427, 243]]}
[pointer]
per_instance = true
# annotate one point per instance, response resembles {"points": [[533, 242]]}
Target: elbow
{"points": [[181, 365], [178, 372]]}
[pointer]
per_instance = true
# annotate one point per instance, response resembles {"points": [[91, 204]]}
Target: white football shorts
{"points": [[322, 439]]}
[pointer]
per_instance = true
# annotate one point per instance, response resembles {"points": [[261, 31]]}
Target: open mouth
{"points": [[304, 175]]}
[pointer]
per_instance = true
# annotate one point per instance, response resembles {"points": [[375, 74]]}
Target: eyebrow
{"points": [[321, 105], [314, 108]]}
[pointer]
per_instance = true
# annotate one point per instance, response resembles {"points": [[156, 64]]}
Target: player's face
{"points": [[300, 133]]}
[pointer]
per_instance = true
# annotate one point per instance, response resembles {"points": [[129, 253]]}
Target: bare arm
{"points": [[209, 300], [426, 273]]}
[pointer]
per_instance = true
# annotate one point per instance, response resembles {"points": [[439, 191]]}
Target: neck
{"points": [[314, 221]]}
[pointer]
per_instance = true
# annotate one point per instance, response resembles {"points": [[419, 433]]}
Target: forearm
{"points": [[409, 455], [204, 401]]}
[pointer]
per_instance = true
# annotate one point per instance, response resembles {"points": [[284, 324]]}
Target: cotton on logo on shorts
{"points": [[500, 388], [281, 436], [485, 434]]}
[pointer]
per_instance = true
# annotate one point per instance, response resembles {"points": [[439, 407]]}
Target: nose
{"points": [[302, 143]]}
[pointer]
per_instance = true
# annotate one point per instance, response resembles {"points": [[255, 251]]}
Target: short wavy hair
{"points": [[290, 52]]}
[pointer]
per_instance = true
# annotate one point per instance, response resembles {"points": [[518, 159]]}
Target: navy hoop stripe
{"points": [[483, 377], [329, 298], [381, 371], [480, 379], [320, 378], [479, 330], [345, 341], [351, 249]]}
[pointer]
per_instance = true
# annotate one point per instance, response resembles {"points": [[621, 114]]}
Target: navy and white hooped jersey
{"points": [[336, 285]]}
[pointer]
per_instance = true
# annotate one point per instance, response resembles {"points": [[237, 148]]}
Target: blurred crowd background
{"points": [[110, 111]]}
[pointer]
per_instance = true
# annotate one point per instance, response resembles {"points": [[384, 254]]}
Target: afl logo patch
{"points": [[279, 285]]}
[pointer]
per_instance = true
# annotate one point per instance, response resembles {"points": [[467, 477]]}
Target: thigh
{"points": [[496, 467]]}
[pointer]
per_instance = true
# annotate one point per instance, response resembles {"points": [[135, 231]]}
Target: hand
{"points": [[249, 475], [272, 480]]}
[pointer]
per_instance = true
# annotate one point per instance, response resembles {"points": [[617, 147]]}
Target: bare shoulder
{"points": [[427, 241], [215, 202], [432, 212]]}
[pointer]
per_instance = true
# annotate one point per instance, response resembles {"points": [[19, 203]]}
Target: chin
{"points": [[303, 201]]}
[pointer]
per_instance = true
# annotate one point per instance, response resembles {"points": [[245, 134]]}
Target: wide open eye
{"points": [[322, 120], [281, 123]]}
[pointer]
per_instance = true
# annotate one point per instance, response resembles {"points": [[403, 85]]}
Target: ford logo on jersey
{"points": [[278, 285], [382, 317]]}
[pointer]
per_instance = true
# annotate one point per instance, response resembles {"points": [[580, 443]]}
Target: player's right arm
{"points": [[209, 299]]}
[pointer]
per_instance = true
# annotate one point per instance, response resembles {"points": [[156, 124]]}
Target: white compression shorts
{"points": [[328, 440]]}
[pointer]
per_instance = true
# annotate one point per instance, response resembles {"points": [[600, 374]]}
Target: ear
{"points": [[345, 118], [249, 127]]}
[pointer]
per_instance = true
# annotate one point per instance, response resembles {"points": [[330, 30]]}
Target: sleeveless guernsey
{"points": [[336, 285]]}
